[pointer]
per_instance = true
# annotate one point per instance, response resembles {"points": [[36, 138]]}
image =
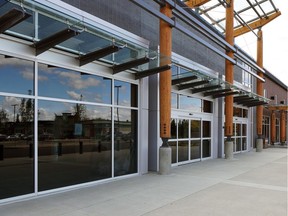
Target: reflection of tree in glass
{"points": [[26, 110], [3, 116], [80, 112]]}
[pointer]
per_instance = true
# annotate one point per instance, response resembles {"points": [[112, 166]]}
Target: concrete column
{"points": [[259, 109], [165, 156], [259, 145], [229, 76], [228, 150], [165, 159]]}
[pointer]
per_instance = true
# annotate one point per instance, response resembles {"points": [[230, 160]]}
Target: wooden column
{"points": [[165, 77], [229, 69], [273, 127], [283, 127], [259, 109]]}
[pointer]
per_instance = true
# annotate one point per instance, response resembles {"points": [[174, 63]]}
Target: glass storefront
{"points": [[86, 127], [190, 140]]}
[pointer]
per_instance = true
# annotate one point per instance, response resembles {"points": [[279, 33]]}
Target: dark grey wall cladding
{"points": [[132, 18]]}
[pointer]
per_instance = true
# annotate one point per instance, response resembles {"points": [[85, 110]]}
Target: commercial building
{"points": [[82, 97]]}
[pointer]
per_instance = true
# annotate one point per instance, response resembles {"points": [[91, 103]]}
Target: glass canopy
{"points": [[46, 27], [198, 82]]}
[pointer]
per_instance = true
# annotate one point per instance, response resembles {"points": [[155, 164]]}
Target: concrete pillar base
{"points": [[259, 145], [228, 150], [165, 158]]}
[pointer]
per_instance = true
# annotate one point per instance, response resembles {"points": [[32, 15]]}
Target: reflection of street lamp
{"points": [[118, 124], [117, 101], [14, 107]]}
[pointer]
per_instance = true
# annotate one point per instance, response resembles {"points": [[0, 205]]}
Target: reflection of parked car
{"points": [[3, 137], [16, 136], [45, 136], [29, 137]]}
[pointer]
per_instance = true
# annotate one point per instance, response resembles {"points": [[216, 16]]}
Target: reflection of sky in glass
{"points": [[188, 103], [16, 75], [68, 84], [48, 109], [123, 94], [174, 100]]}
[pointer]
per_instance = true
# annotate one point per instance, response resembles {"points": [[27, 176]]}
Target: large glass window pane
{"points": [[244, 144], [237, 129], [183, 128], [174, 70], [207, 106], [173, 146], [195, 149], [245, 113], [195, 128], [237, 112], [206, 150], [183, 151], [16, 146], [189, 103], [16, 75], [244, 129], [68, 84], [74, 144], [125, 141], [174, 100], [173, 128], [206, 128], [125, 94], [238, 144]]}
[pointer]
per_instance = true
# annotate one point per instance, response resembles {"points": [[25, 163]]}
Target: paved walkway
{"points": [[250, 184]]}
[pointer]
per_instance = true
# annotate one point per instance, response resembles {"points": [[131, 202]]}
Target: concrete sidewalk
{"points": [[250, 184]]}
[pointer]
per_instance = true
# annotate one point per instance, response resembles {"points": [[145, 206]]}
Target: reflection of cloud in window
{"points": [[77, 82], [74, 95], [27, 74], [15, 62], [44, 114], [8, 105], [98, 112]]}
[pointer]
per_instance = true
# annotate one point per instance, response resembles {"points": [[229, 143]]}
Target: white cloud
{"points": [[74, 95], [27, 74]]}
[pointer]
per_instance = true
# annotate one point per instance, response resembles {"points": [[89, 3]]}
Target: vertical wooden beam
{"points": [[229, 69], [259, 109], [165, 77], [273, 127], [282, 127]]}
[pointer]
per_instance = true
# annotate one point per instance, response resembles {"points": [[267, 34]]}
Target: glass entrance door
{"points": [[191, 139], [240, 136]]}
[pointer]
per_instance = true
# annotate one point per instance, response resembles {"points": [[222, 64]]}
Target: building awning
{"points": [[79, 33], [198, 82]]}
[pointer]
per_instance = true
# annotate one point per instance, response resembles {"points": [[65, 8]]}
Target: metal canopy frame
{"points": [[130, 64], [12, 18], [246, 12], [89, 57], [53, 40], [151, 71]]}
